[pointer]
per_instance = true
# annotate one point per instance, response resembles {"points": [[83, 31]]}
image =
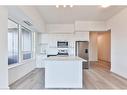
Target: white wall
{"points": [[3, 49], [16, 14], [35, 16], [17, 72], [60, 28], [118, 25], [93, 46], [90, 26]]}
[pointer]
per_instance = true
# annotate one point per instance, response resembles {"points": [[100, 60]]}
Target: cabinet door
{"points": [[40, 61]]}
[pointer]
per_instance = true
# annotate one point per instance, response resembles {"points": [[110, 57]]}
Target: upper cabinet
{"points": [[90, 26], [60, 28]]}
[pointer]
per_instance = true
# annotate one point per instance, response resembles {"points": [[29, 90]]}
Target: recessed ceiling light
{"points": [[105, 6], [57, 6]]}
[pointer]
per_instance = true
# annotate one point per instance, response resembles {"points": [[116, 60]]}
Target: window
{"points": [[13, 36], [20, 43], [26, 43]]}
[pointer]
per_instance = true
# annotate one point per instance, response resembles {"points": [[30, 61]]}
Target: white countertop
{"points": [[65, 58]]}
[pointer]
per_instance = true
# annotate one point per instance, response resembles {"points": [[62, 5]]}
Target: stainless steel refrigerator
{"points": [[83, 52]]}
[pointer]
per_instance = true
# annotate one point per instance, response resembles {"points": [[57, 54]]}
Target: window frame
{"points": [[18, 42], [20, 53], [21, 26]]}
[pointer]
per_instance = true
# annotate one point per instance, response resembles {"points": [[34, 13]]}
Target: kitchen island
{"points": [[63, 72]]}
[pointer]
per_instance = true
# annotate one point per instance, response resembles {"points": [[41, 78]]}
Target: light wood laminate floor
{"points": [[98, 76]]}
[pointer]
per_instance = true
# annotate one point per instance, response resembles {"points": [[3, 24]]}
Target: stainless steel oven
{"points": [[62, 44]]}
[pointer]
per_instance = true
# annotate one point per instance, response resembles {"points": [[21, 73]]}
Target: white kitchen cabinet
{"points": [[40, 63]]}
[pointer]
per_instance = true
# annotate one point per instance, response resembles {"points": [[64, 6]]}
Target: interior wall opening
{"points": [[100, 48]]}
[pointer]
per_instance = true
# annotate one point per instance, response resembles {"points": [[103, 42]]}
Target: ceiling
{"points": [[68, 15]]}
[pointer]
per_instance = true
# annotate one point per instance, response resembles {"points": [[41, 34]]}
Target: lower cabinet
{"points": [[40, 63]]}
